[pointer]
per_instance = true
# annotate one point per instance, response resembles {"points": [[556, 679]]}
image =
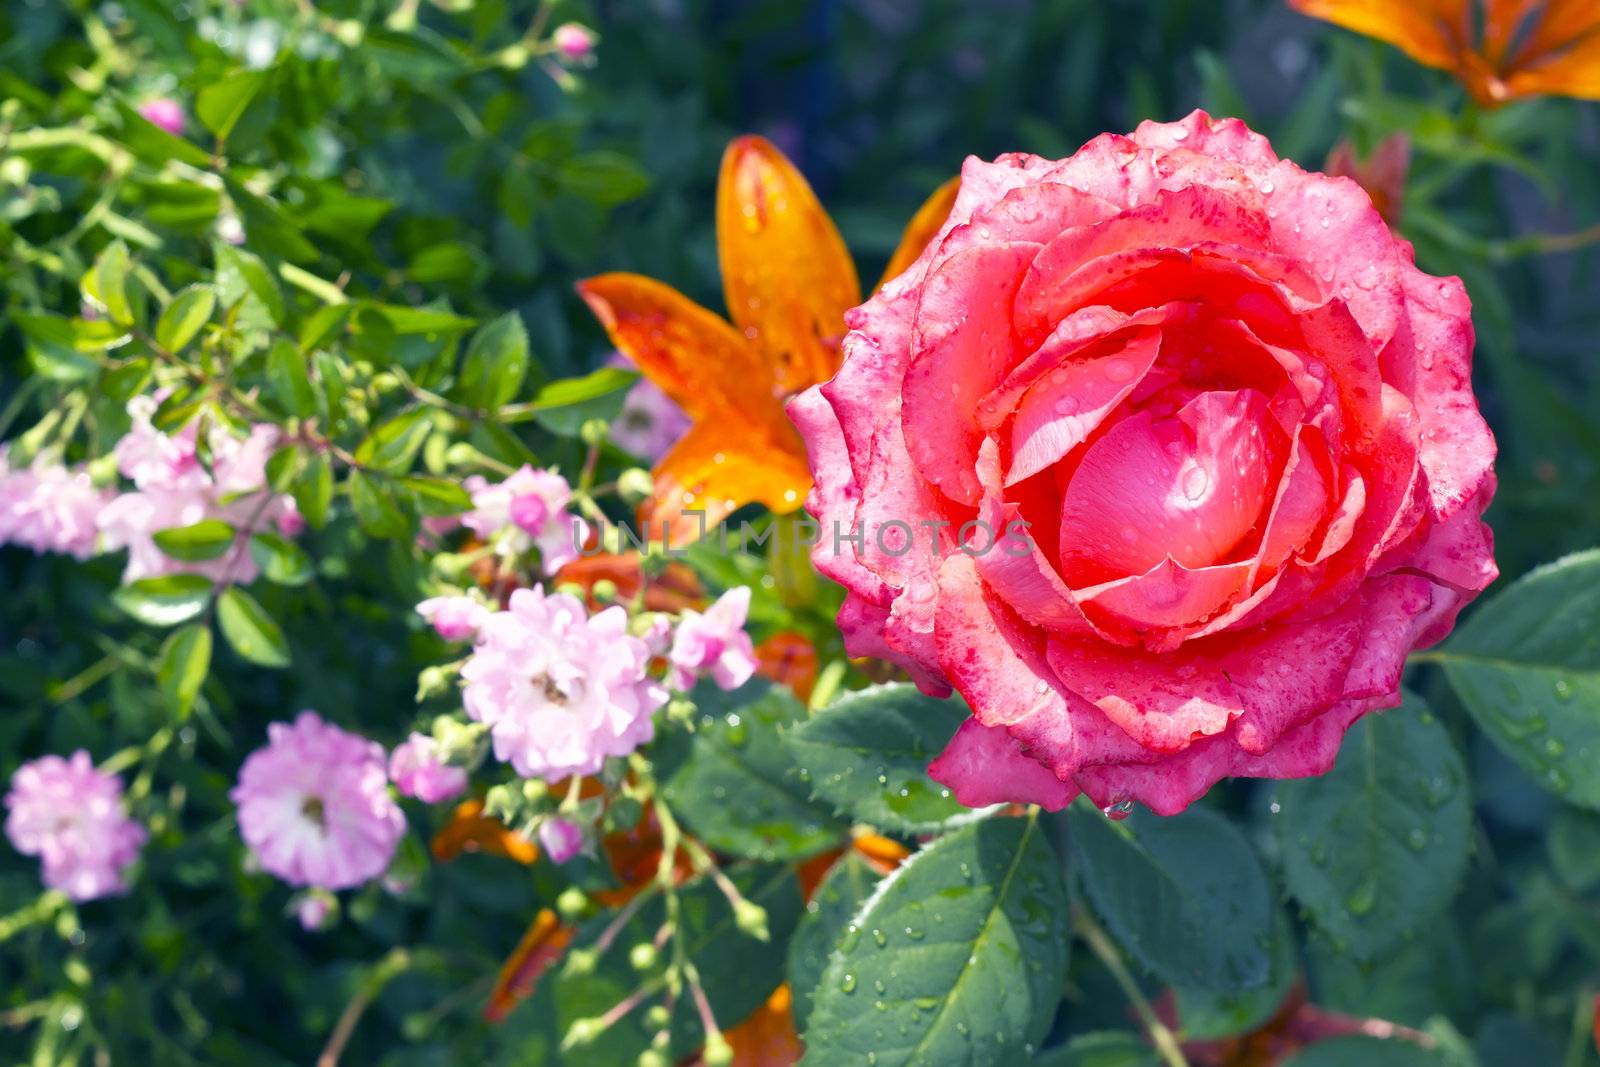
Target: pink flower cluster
{"points": [[559, 689], [172, 488], [52, 508], [314, 805], [524, 512], [72, 817], [455, 618], [49, 508]]}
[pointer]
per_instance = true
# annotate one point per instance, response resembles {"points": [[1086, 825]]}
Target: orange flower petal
{"points": [[1433, 32], [767, 1038], [691, 353], [883, 853], [788, 659], [786, 273], [1562, 54], [469, 830], [544, 943], [922, 228], [674, 589], [717, 468]]}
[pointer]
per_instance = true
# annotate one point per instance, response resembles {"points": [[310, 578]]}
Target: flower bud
{"points": [[433, 682], [604, 590], [581, 961], [581, 1033], [752, 919], [642, 956], [573, 42], [635, 485], [350, 32], [572, 903], [718, 1053], [651, 1058], [594, 432], [681, 710], [657, 1018]]}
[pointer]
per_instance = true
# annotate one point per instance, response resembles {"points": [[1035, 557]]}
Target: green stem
{"points": [[1100, 944], [391, 966]]}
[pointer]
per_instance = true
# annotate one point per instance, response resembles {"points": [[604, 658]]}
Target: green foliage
{"points": [[958, 958]]}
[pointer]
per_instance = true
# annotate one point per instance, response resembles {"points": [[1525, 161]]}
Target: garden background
{"points": [[430, 155]]}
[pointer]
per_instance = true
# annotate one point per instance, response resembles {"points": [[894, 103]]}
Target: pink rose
{"points": [[1239, 425]]}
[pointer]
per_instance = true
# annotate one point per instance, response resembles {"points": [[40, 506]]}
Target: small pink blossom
{"points": [[715, 641], [72, 817], [526, 511], [314, 805], [456, 618], [559, 689], [418, 769], [561, 838], [164, 112], [49, 508], [573, 41], [172, 488], [650, 422], [313, 910]]}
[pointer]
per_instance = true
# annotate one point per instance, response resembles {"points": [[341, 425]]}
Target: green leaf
{"points": [[281, 560], [1377, 846], [183, 318], [735, 785], [241, 273], [1574, 844], [1361, 1051], [313, 490], [223, 103], [563, 406], [1104, 1048], [438, 496], [106, 283], [375, 508], [1184, 895], [185, 661], [62, 349], [290, 381], [867, 754], [1527, 666], [252, 633], [153, 144], [1206, 1014], [958, 958], [835, 903], [164, 601], [495, 363], [393, 446], [603, 177], [206, 539]]}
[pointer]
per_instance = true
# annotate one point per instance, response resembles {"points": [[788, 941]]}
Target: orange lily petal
{"points": [[543, 944], [883, 853], [767, 1038], [692, 353], [786, 274], [1562, 54], [674, 589], [469, 830], [717, 468], [922, 228], [788, 659], [1433, 32]]}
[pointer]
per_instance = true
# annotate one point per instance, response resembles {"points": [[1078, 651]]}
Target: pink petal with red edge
{"points": [[1188, 487], [963, 320], [985, 765], [862, 623], [1168, 595], [1065, 406], [1457, 449], [834, 492]]}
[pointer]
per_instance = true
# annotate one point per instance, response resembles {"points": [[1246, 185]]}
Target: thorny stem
{"points": [[1165, 1042]]}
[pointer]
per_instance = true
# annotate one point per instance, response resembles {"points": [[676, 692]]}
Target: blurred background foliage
{"points": [[410, 153]]}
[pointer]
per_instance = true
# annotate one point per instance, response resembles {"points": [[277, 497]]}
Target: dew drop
{"points": [[1119, 369], [847, 984], [1119, 810], [1180, 134], [1195, 483]]}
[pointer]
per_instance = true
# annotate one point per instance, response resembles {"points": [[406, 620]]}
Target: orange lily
{"points": [[1525, 48], [787, 280]]}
